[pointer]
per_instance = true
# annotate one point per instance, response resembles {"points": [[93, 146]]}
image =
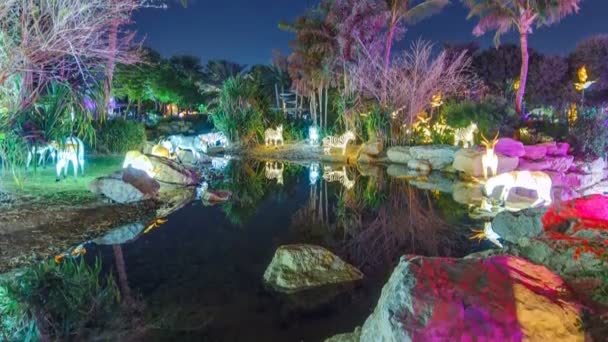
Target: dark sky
{"points": [[246, 31]]}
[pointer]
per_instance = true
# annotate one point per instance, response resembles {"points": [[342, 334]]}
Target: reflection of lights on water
{"points": [[201, 190], [274, 170], [313, 173]]}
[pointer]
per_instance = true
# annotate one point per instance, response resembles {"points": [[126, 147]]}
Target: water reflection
{"points": [[198, 276]]}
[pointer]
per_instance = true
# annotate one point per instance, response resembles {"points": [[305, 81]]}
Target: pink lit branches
{"points": [[63, 40], [413, 77]]}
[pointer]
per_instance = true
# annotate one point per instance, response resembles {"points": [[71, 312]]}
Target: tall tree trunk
{"points": [[321, 106], [389, 44], [121, 269], [326, 97], [523, 74], [112, 40]]}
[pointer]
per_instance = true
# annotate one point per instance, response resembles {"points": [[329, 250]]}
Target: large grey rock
{"points": [[373, 149], [354, 336], [501, 298], [515, 226], [468, 160], [437, 156], [117, 190], [141, 180], [173, 173], [120, 235], [300, 267]]}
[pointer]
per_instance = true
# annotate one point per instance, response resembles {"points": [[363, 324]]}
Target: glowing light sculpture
{"points": [[487, 234], [465, 135], [330, 175], [531, 180], [137, 160], [220, 163], [182, 142], [313, 135], [41, 152], [489, 159], [273, 171], [274, 135], [313, 173], [72, 152], [213, 139], [340, 142], [161, 151]]}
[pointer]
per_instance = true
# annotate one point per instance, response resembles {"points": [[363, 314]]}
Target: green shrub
{"points": [[589, 134], [490, 114], [64, 298], [120, 136]]}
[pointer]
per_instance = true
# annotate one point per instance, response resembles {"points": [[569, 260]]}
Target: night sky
{"points": [[246, 31]]}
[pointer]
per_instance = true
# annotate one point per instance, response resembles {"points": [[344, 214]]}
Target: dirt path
{"points": [[31, 231]]}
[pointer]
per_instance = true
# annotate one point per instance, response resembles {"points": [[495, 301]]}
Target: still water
{"points": [[199, 275]]}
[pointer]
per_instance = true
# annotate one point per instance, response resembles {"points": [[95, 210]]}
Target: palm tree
{"points": [[409, 12], [504, 15], [214, 73]]}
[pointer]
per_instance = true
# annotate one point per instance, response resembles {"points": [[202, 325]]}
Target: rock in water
{"points": [[468, 160], [170, 172], [300, 267], [501, 298], [437, 156], [513, 227], [121, 234], [141, 180], [117, 190]]}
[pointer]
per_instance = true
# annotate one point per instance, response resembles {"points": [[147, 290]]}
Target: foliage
{"points": [[589, 134], [214, 74], [592, 53], [120, 136], [59, 300], [246, 181], [504, 15], [490, 114], [240, 111]]}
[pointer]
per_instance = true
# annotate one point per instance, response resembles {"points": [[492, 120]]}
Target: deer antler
{"points": [[488, 143]]}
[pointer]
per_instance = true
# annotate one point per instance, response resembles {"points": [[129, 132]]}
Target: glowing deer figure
{"points": [[531, 180], [274, 136], [341, 176], [490, 159], [465, 135], [313, 135], [273, 171]]}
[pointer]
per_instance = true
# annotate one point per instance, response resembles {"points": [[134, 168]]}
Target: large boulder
{"points": [[469, 161], [141, 180], [556, 149], [515, 226], [301, 267], [510, 148], [501, 298], [117, 190], [170, 172], [595, 166], [557, 164], [120, 235], [535, 152], [437, 156], [374, 148]]}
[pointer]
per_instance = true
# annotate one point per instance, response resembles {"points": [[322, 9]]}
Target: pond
{"points": [[200, 274]]}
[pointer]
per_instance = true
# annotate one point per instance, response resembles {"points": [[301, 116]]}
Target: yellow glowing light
{"points": [[516, 85], [572, 114], [583, 80], [155, 224], [436, 100], [582, 74]]}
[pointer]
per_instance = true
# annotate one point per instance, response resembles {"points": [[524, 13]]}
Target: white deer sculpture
{"points": [[72, 151], [531, 180], [465, 135], [274, 135], [274, 170], [214, 139], [330, 175], [313, 135], [340, 142], [489, 160], [182, 142]]}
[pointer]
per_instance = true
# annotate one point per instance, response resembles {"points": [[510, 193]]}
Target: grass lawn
{"points": [[41, 184]]}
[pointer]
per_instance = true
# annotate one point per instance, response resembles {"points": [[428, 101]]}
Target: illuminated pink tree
{"points": [[503, 15]]}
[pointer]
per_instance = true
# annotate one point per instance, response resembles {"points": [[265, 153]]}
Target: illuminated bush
{"points": [[589, 134], [120, 136]]}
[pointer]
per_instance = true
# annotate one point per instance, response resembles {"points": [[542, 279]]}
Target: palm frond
{"points": [[425, 10]]}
